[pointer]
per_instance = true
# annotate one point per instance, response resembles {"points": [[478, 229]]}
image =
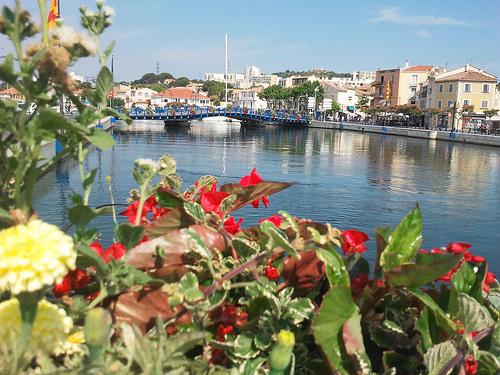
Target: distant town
{"points": [[466, 97]]}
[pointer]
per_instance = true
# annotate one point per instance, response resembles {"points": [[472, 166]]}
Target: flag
{"points": [[387, 91], [53, 13]]}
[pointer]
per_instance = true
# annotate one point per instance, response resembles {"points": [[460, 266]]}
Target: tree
{"points": [[216, 90], [163, 76], [147, 78], [363, 102], [181, 82], [118, 102], [489, 113]]}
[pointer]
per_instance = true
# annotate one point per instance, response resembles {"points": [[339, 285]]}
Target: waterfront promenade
{"points": [[478, 139]]}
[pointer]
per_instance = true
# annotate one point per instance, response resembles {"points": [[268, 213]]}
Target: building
{"points": [[401, 85], [12, 93], [140, 98], [346, 96], [180, 95], [464, 86], [248, 98], [235, 79]]}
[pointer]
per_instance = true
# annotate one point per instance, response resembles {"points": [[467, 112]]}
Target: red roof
{"points": [[467, 76], [180, 92], [419, 68]]}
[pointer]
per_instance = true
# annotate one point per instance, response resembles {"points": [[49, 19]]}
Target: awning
{"points": [[350, 108]]}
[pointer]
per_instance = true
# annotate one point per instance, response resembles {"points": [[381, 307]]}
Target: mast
{"points": [[225, 99]]}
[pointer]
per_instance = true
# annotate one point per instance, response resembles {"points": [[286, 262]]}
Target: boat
{"points": [[177, 123]]}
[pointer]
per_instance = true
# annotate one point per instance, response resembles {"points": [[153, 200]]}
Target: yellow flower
{"points": [[34, 255], [50, 330], [73, 343]]}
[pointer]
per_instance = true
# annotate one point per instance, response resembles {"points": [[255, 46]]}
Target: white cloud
{"points": [[395, 15], [424, 34]]}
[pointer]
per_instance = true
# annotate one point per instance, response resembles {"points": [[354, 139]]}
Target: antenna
{"points": [[157, 68]]}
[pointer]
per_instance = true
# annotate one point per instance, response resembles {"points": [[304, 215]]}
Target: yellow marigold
{"points": [[34, 255], [50, 330], [73, 343]]}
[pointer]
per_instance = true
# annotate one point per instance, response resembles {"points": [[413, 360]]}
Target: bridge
{"points": [[183, 115]]}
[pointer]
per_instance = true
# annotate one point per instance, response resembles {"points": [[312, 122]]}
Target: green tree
{"points": [[118, 102], [181, 82], [163, 76], [363, 102], [148, 78], [216, 90]]}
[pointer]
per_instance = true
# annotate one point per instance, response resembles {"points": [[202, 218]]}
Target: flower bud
{"points": [[282, 352], [96, 331]]}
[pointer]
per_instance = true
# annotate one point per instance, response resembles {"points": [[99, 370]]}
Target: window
{"points": [[450, 89], [132, 93], [381, 79], [486, 87], [441, 87], [467, 87], [466, 101], [392, 78], [450, 103], [414, 78], [146, 94], [413, 92], [484, 104], [440, 104]]}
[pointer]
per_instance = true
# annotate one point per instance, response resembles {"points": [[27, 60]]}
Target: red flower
{"points": [[231, 317], [251, 180], [210, 201], [231, 226], [457, 247], [460, 327], [358, 284], [490, 277], [73, 280], [272, 273], [470, 365], [275, 219], [354, 241], [131, 211], [218, 355], [117, 250], [213, 187]]}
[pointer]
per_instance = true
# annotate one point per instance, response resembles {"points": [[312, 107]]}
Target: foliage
{"points": [[152, 78], [325, 74], [217, 90], [363, 102], [489, 113], [185, 289], [285, 98]]}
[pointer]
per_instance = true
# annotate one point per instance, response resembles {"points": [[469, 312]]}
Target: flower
{"points": [[73, 343], [73, 280], [354, 241], [470, 365], [489, 278], [34, 255], [131, 211], [275, 219], [272, 273], [50, 329], [457, 247], [251, 180], [232, 226], [211, 200], [117, 250]]}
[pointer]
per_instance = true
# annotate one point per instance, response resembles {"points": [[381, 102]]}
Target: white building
{"points": [[346, 96], [248, 98], [180, 95]]}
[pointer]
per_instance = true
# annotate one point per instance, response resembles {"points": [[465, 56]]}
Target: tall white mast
{"points": [[226, 73]]}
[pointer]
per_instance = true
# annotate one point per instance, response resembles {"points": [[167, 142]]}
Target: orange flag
{"points": [[387, 91], [53, 13]]}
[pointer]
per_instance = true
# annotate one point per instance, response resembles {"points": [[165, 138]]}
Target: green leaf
{"points": [[488, 364], [462, 281], [244, 247], [195, 210], [100, 139], [472, 315], [174, 219], [207, 181], [112, 112], [336, 309], [5, 219], [282, 242], [108, 50], [7, 70], [421, 274], [167, 164], [404, 242], [438, 356], [168, 200], [426, 325], [334, 266], [103, 85], [353, 341], [80, 215], [403, 364], [89, 180], [449, 326], [130, 235], [495, 341], [174, 181]]}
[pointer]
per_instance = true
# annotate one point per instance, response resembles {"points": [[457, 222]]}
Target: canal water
{"points": [[351, 180]]}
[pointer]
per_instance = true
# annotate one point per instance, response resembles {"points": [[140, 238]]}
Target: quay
{"points": [[443, 135]]}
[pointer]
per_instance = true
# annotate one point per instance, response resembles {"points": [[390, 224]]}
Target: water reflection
{"points": [[352, 180]]}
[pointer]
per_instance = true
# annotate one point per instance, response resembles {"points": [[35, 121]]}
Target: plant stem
{"points": [[45, 25], [28, 304]]}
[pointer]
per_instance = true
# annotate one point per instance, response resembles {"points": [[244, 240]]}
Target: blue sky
{"points": [[186, 38]]}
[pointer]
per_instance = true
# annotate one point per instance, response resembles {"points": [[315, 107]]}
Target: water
{"points": [[351, 180]]}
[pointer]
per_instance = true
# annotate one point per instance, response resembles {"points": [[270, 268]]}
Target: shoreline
{"points": [[449, 136]]}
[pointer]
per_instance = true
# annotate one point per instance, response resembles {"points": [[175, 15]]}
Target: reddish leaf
{"points": [[174, 245], [174, 219], [142, 309], [249, 194], [303, 274]]}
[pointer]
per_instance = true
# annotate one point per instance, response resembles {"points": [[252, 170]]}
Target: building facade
{"points": [[248, 98], [181, 96]]}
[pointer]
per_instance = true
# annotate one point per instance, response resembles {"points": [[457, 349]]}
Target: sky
{"points": [[187, 38]]}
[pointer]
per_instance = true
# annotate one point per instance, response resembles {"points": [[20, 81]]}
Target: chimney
{"points": [[407, 65]]}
